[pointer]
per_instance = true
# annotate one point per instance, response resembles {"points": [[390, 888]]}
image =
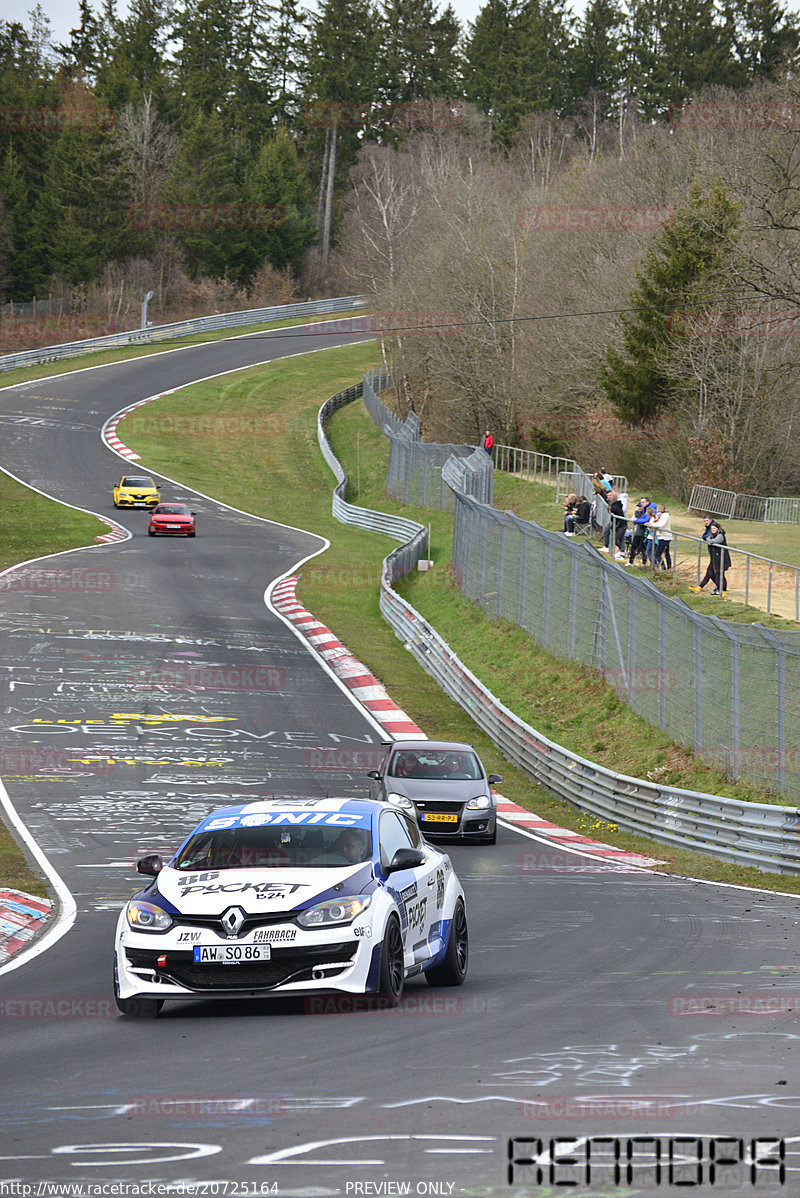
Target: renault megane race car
{"points": [[443, 783], [136, 490], [172, 519], [292, 896]]}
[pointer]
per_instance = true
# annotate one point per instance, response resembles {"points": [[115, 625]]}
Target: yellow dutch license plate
{"points": [[431, 817]]}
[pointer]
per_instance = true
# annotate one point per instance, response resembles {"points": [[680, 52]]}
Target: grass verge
{"points": [[285, 478], [568, 703]]}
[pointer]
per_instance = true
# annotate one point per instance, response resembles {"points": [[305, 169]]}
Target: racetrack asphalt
{"points": [[600, 1000]]}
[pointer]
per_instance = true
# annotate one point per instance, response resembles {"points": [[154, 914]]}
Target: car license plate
{"points": [[436, 817], [172, 525], [231, 954]]}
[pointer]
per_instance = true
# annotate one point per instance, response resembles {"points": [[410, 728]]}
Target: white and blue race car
{"points": [[292, 896]]}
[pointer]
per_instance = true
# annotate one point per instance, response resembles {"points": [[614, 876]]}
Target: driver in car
{"points": [[352, 845]]}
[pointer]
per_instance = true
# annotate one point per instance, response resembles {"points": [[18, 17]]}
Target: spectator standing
{"points": [[662, 527], [709, 574], [719, 561], [642, 516], [614, 532], [488, 442]]}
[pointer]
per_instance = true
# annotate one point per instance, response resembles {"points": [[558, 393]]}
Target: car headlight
{"points": [[146, 917], [399, 800], [334, 911], [479, 804]]}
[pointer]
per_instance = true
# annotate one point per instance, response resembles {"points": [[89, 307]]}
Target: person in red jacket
{"points": [[488, 442]]}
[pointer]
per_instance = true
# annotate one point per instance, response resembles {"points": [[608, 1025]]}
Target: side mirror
{"points": [[150, 865], [405, 859], [375, 774], [494, 779]]}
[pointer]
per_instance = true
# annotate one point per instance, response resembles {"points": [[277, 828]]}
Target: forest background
{"points": [[582, 233]]}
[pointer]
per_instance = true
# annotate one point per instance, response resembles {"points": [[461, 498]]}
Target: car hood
{"points": [[257, 891], [436, 789], [181, 519]]}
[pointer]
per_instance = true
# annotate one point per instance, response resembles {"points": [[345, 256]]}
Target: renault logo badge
{"points": [[232, 921]]}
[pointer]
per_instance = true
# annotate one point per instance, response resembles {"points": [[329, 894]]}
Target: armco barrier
{"points": [[756, 834], [183, 328]]}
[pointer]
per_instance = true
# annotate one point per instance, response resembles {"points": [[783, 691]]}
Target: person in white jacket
{"points": [[661, 525]]}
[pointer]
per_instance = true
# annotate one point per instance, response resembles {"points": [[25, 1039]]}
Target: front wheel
{"points": [[392, 973], [139, 1008], [150, 532], [192, 534], [453, 969]]}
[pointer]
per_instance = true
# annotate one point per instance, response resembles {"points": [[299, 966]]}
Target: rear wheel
{"points": [[392, 974], [139, 1007], [453, 969]]}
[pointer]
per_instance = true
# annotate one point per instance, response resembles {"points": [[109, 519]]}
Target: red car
{"points": [[174, 519]]}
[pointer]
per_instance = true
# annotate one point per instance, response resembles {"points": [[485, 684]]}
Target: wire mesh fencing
{"points": [[722, 690]]}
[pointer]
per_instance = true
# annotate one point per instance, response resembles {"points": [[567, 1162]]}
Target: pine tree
{"points": [[597, 57], [203, 192], [766, 37], [518, 61], [285, 48], [278, 188], [418, 58], [680, 271]]}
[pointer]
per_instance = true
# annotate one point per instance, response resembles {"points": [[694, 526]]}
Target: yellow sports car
{"points": [[136, 490]]}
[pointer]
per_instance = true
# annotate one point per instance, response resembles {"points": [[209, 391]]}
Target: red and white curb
{"points": [[21, 917], [363, 685], [109, 431], [118, 533], [512, 813]]}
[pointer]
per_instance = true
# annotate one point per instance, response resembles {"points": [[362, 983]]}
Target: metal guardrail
{"points": [[737, 506], [183, 328], [398, 527], [756, 834]]}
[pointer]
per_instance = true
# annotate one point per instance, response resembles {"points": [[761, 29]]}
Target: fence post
{"points": [[698, 686], [523, 574], [780, 702]]}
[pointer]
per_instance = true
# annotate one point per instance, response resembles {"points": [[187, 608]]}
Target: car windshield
{"points": [[284, 846], [137, 482], [171, 509], [452, 764]]}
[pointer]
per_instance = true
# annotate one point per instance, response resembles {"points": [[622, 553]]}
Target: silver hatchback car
{"points": [[443, 783]]}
